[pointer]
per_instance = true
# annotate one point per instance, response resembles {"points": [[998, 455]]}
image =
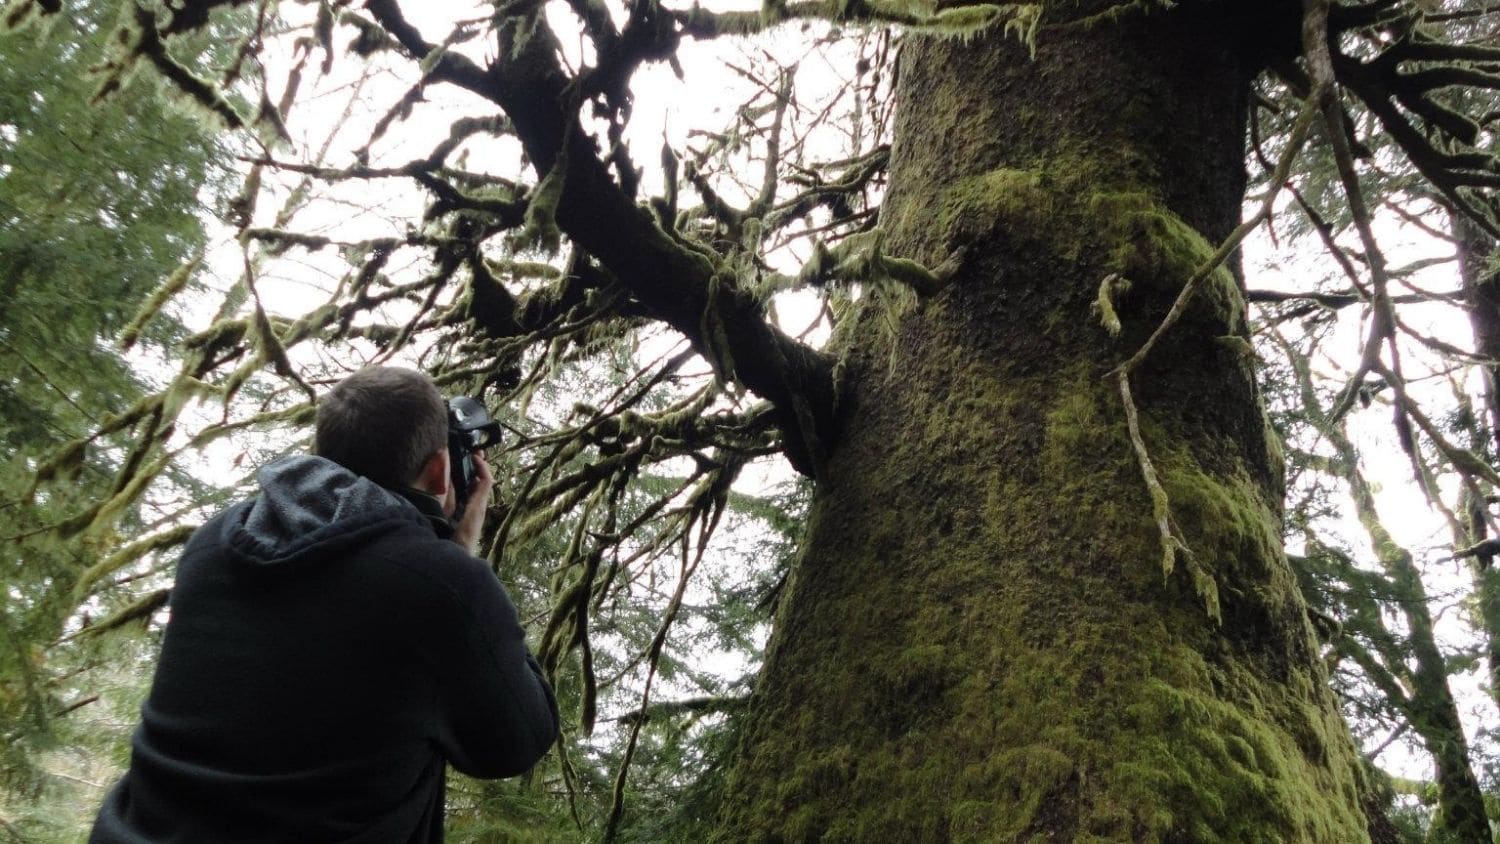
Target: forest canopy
{"points": [[1039, 377]]}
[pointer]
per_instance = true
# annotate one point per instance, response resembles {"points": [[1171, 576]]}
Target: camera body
{"points": [[470, 429]]}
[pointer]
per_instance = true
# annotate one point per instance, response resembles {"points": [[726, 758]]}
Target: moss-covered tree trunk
{"points": [[979, 642]]}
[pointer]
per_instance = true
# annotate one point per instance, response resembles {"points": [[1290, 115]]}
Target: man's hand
{"points": [[471, 524]]}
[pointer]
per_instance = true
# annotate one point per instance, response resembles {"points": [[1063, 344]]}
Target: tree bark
{"points": [[979, 642], [1481, 285]]}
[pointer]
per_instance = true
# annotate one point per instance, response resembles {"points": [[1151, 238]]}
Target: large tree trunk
{"points": [[979, 642]]}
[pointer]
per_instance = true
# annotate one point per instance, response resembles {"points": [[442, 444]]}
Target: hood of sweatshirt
{"points": [[309, 507]]}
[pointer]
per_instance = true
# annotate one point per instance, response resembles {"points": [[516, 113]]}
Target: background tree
{"points": [[1042, 590], [97, 207], [1408, 626]]}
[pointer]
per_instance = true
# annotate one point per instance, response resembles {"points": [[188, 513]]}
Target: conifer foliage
{"points": [[97, 206]]}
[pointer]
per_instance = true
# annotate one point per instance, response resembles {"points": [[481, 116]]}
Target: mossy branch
{"points": [[140, 610], [861, 258], [720, 353], [1161, 510], [127, 555], [854, 178], [68, 459], [158, 299], [19, 13], [155, 415], [135, 483], [301, 414], [143, 39], [270, 348], [63, 465], [540, 229], [1172, 544], [1021, 20]]}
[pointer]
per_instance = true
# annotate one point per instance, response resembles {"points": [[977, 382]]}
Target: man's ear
{"points": [[434, 477]]}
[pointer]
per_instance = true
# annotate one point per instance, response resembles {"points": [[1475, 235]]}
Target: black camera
{"points": [[470, 429]]}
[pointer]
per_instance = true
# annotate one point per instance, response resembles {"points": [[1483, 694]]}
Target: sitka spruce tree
{"points": [[983, 639], [1041, 592]]}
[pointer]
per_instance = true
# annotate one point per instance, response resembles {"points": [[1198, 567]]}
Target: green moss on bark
{"points": [[1148, 244], [978, 643], [1039, 683], [1119, 230], [1048, 677], [1004, 200]]}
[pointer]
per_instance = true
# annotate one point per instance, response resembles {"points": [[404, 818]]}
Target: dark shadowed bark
{"points": [[980, 641], [1477, 254]]}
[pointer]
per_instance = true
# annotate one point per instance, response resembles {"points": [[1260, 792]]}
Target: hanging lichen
{"points": [[1021, 21]]}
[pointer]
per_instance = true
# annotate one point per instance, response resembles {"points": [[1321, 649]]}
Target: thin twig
{"points": [[75, 706], [1389, 740], [689, 565], [1160, 506]]}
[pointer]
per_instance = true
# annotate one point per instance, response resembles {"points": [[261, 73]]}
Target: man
{"points": [[333, 643]]}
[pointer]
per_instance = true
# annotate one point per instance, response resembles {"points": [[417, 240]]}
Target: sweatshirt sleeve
{"points": [[496, 715]]}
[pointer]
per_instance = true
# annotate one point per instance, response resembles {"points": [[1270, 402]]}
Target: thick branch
{"points": [[679, 286]]}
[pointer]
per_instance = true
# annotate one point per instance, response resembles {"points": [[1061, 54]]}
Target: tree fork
{"points": [[675, 284], [978, 642]]}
